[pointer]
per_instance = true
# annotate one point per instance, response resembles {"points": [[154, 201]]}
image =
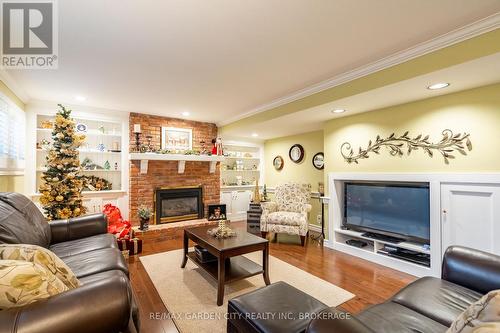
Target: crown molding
{"points": [[13, 86], [469, 31]]}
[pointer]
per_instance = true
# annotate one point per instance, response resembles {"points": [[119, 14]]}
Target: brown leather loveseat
{"points": [[104, 303]]}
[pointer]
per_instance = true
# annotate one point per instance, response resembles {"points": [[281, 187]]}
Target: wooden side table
{"points": [[253, 218]]}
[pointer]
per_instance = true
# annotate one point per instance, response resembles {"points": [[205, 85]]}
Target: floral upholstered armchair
{"points": [[288, 213]]}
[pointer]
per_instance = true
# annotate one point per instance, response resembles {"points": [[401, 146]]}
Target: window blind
{"points": [[12, 137]]}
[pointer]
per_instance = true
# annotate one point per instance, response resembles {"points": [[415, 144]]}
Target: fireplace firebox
{"points": [[178, 204]]}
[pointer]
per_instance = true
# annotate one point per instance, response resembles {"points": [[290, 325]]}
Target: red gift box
{"points": [[135, 246]]}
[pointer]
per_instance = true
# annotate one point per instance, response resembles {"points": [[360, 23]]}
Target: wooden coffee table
{"points": [[230, 265]]}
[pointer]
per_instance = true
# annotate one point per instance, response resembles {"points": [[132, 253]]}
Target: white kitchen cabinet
{"points": [[241, 202], [470, 215], [226, 198], [237, 203]]}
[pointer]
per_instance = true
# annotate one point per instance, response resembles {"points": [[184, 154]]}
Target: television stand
{"points": [[384, 238]]}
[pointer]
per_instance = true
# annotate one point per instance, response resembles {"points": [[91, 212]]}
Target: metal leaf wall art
{"points": [[396, 145]]}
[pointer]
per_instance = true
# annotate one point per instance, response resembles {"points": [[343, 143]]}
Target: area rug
{"points": [[189, 294]]}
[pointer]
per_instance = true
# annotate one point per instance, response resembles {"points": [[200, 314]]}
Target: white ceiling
{"points": [[218, 59], [475, 73]]}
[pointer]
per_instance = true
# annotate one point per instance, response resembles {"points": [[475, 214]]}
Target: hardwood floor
{"points": [[371, 283]]}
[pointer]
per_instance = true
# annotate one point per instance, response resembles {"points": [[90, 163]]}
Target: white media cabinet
{"points": [[464, 210]]}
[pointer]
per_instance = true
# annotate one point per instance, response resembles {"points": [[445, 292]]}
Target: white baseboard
{"points": [[314, 227]]}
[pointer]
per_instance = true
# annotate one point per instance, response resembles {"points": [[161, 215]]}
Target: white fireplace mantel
{"points": [[180, 158]]}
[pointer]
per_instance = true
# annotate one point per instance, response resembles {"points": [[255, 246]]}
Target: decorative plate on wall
{"points": [[278, 162], [319, 161], [81, 127], [296, 153]]}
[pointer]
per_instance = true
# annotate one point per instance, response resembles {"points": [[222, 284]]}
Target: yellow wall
{"points": [[303, 172], [11, 183], [475, 111]]}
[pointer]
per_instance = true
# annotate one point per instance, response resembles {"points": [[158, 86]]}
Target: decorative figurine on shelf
{"points": [[149, 146], [256, 192], [204, 150], [218, 144], [137, 132], [264, 193], [214, 146], [144, 215], [88, 164], [102, 129], [107, 166], [116, 166], [101, 147]]}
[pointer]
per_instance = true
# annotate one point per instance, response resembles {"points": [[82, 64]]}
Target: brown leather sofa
{"points": [[427, 305], [105, 301]]}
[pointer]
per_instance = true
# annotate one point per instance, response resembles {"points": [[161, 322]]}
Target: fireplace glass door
{"points": [[178, 204]]}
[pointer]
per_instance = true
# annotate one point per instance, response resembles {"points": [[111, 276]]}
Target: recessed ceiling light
{"points": [[255, 135], [440, 85], [80, 98], [185, 113], [338, 111]]}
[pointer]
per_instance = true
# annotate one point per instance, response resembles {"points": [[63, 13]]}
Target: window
{"points": [[12, 137]]}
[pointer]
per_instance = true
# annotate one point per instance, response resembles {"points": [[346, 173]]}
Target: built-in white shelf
{"points": [[88, 133], [97, 170], [242, 158], [234, 187], [87, 151], [89, 193], [404, 245], [181, 158]]}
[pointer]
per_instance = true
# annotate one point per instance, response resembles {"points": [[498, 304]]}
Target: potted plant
{"points": [[144, 215]]}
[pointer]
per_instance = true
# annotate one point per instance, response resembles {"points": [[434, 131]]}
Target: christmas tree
{"points": [[62, 183]]}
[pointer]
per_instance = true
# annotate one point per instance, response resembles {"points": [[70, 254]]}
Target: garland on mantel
{"points": [[448, 144]]}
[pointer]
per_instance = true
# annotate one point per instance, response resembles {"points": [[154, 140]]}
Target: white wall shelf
{"points": [[107, 130], [181, 158]]}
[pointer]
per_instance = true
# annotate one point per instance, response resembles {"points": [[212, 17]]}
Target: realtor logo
{"points": [[29, 34]]}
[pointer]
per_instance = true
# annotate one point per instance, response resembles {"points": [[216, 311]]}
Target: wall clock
{"points": [[318, 161], [278, 162], [296, 153]]}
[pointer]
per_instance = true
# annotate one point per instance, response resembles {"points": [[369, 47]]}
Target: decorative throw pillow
{"points": [[40, 256], [482, 316], [23, 282]]}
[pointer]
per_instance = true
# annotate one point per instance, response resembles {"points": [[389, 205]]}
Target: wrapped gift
{"points": [[122, 229], [135, 246], [123, 244]]}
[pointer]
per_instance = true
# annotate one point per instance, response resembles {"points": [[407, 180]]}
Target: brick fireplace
{"points": [[164, 174]]}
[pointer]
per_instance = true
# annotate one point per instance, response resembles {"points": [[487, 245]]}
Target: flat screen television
{"points": [[392, 209]]}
